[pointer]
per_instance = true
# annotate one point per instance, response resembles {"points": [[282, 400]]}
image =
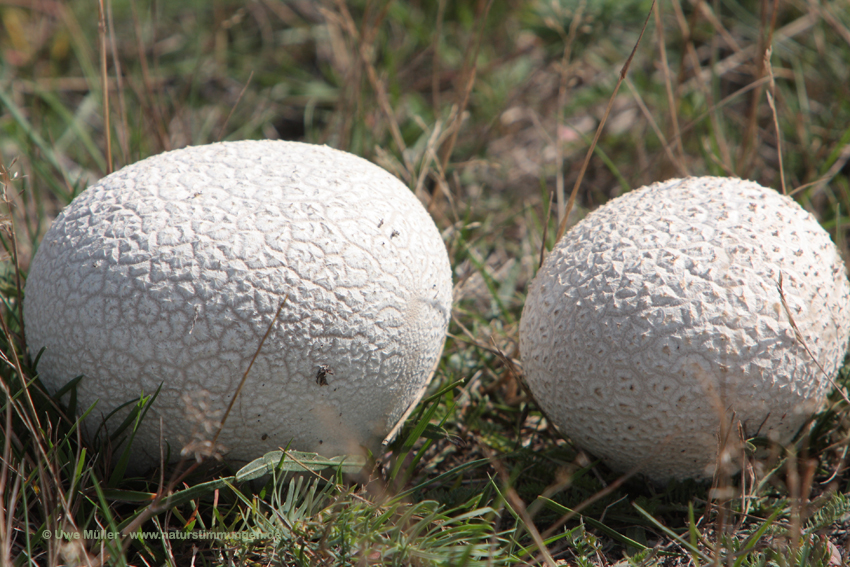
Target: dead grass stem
{"points": [[562, 226], [470, 66], [672, 101], [104, 78]]}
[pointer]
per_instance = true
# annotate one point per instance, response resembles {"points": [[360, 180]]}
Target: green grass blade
{"points": [[614, 534], [296, 461], [751, 541], [670, 533], [32, 134]]}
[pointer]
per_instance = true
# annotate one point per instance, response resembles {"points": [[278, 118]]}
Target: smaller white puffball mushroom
{"points": [[170, 271], [660, 317]]}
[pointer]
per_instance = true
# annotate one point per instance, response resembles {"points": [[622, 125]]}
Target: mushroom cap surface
{"points": [[170, 271], [659, 317]]}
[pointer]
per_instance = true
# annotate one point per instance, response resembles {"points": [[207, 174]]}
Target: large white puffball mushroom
{"points": [[659, 317], [171, 270]]}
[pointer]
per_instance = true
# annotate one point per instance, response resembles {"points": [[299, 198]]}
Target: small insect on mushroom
{"points": [[321, 375]]}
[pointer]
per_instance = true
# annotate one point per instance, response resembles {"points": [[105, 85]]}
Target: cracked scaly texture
{"points": [[171, 270], [660, 313]]}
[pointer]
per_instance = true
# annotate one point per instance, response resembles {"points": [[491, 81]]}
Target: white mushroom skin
{"points": [[660, 314], [171, 270]]}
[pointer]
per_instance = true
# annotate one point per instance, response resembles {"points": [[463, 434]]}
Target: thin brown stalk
{"points": [[672, 102], [29, 415], [124, 139], [745, 469], [722, 489], [471, 339], [40, 431], [701, 79], [429, 155], [162, 497], [235, 104], [247, 370], [794, 492], [154, 11], [772, 104], [749, 143], [153, 104], [649, 118], [282, 11], [545, 231], [349, 101], [562, 227], [710, 16], [806, 485], [435, 60], [799, 338], [551, 530], [708, 91], [842, 460], [717, 106], [718, 161], [7, 507], [562, 101], [519, 506], [685, 28], [471, 67], [732, 62], [365, 44], [383, 99], [369, 35], [104, 80], [835, 169], [839, 235], [830, 18], [6, 182], [429, 160]]}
